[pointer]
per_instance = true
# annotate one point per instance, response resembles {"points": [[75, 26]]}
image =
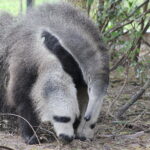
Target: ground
{"points": [[131, 133], [100, 143]]}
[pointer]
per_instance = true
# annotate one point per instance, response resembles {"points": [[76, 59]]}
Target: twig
{"points": [[145, 42], [124, 84], [119, 62], [116, 37], [143, 19], [144, 30], [120, 92], [132, 13], [104, 25], [112, 7], [138, 40], [125, 136], [134, 98], [136, 114], [115, 3], [51, 134], [135, 43], [120, 25], [10, 114], [5, 147]]}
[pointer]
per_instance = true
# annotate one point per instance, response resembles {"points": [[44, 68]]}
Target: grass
{"points": [[13, 6]]}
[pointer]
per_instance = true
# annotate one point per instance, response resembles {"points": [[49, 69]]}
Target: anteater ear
{"points": [[50, 39], [44, 34]]}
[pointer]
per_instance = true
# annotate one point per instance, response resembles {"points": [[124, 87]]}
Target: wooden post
{"points": [[21, 7], [30, 3]]}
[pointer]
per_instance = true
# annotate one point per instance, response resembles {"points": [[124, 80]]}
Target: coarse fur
{"points": [[6, 20], [75, 40], [85, 59], [37, 85]]}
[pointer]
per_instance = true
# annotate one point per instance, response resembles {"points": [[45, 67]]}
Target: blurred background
{"points": [[17, 6]]}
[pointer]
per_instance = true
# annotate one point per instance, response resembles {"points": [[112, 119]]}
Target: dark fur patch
{"points": [[65, 138], [66, 59], [61, 119], [25, 78], [76, 123], [48, 89], [92, 126]]}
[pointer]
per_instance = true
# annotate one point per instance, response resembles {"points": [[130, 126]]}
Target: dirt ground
{"points": [[131, 133], [141, 142]]}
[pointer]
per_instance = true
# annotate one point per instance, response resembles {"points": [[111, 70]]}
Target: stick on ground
{"points": [[5, 148], [134, 98]]}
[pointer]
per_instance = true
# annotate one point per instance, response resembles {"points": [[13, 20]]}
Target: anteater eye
{"points": [[62, 119]]}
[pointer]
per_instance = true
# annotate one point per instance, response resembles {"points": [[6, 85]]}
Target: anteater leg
{"points": [[19, 87]]}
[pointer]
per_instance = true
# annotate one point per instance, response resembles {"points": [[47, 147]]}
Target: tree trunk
{"points": [[21, 6], [30, 3]]}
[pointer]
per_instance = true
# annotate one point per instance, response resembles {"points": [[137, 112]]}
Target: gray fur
{"points": [[6, 20], [79, 36], [26, 54]]}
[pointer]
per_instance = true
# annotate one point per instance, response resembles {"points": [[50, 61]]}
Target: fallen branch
{"points": [[5, 148], [133, 136], [134, 98], [125, 136]]}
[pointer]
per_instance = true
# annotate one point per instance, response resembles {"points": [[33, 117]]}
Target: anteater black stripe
{"points": [[61, 119], [67, 60]]}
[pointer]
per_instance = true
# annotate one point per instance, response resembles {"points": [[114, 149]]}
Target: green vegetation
{"points": [[10, 6], [13, 6], [41, 1], [123, 25]]}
